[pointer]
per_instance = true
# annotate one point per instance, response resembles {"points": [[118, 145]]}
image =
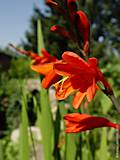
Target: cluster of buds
{"points": [[73, 74], [79, 30]]}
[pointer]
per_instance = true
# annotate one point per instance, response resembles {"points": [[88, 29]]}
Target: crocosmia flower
{"points": [[83, 28], [72, 9], [55, 6], [79, 28], [80, 77], [60, 30], [76, 122], [43, 65]]}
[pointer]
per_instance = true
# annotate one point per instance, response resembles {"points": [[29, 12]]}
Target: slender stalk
{"points": [[109, 92], [25, 108], [115, 102], [82, 51]]}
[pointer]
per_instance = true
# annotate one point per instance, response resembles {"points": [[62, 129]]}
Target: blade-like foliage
{"points": [[1, 151], [44, 118], [23, 140], [40, 42]]}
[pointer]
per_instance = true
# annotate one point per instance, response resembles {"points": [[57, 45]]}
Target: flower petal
{"points": [[81, 82], [48, 55], [42, 68], [83, 25], [75, 117], [50, 79], [67, 69], [74, 59], [91, 91], [93, 61], [60, 30], [76, 122], [77, 100]]}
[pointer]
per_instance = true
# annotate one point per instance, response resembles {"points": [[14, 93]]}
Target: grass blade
{"points": [[1, 151], [46, 125], [103, 153], [23, 141], [45, 115], [40, 42]]}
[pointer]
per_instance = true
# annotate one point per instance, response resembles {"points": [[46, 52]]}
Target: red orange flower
{"points": [[72, 5], [80, 75], [79, 23], [76, 122], [43, 65], [72, 9], [55, 5], [83, 28], [61, 31]]}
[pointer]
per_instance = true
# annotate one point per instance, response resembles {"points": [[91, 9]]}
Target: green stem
{"points": [[82, 51], [115, 102]]}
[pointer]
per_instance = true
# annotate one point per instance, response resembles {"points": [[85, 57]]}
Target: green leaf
{"points": [[56, 152], [1, 150], [105, 103], [44, 115], [38, 113], [23, 140], [71, 147], [40, 41], [46, 125], [103, 153], [70, 139], [86, 148], [62, 108]]}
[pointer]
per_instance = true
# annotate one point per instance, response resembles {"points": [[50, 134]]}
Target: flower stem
{"points": [[115, 102]]}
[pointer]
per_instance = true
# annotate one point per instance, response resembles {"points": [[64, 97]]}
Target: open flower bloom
{"points": [[80, 76], [76, 122], [43, 65]]}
